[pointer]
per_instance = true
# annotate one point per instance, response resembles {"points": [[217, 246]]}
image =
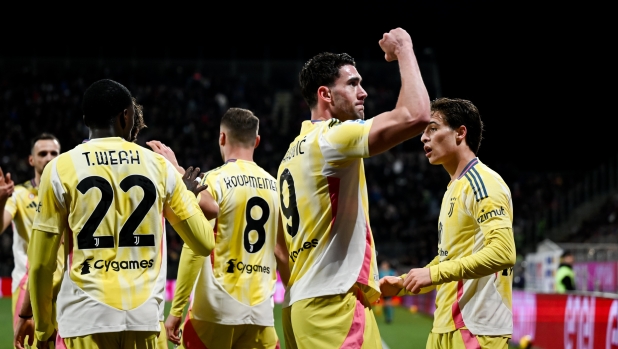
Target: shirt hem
{"points": [[106, 329]]}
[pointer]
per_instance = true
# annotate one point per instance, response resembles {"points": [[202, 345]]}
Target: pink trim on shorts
{"points": [[60, 342], [20, 298], [278, 346], [356, 335], [189, 337], [470, 341], [363, 277], [455, 311]]}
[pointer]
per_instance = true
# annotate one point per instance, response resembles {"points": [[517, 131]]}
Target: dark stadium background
{"points": [[542, 78]]}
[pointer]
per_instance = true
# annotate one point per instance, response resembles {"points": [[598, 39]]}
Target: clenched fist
{"points": [[394, 43]]}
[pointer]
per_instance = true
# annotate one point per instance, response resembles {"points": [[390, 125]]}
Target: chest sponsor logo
{"points": [[116, 266], [232, 266], [489, 214]]}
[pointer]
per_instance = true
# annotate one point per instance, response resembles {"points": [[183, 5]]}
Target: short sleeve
{"points": [[345, 140], [490, 204], [180, 203], [51, 216]]}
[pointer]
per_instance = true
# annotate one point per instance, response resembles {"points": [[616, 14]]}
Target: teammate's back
{"points": [[109, 198]]}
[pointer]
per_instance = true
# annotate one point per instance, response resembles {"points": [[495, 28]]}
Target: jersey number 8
{"points": [[256, 225]]}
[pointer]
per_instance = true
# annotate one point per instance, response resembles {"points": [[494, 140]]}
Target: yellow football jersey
{"points": [[237, 283], [324, 207], [476, 211], [22, 207], [108, 197]]}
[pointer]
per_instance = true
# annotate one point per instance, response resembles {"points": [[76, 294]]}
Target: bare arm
{"points": [[411, 114], [209, 206], [281, 254]]}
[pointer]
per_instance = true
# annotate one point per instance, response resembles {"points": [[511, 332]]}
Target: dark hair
{"points": [[43, 137], [138, 120], [103, 101], [242, 124], [566, 253], [457, 112], [321, 70]]}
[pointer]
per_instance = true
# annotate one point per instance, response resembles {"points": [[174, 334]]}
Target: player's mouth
{"points": [[427, 151]]}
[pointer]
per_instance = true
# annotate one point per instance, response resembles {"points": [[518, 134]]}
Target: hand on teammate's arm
{"points": [[497, 255], [192, 180], [166, 152], [412, 111], [282, 255], [390, 286], [42, 257]]}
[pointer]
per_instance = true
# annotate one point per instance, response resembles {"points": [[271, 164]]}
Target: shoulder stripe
{"points": [[476, 195], [477, 175], [468, 167]]}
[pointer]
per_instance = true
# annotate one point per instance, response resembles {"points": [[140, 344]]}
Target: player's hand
{"points": [[24, 328], [6, 186], [394, 43], [192, 180], [172, 328], [166, 152], [417, 278], [390, 285]]}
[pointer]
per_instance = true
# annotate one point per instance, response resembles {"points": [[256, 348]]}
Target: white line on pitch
{"points": [[384, 346]]}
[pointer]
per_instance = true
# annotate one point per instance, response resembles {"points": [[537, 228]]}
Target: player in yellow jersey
{"points": [[20, 208], [109, 198], [233, 302], [324, 204], [473, 270]]}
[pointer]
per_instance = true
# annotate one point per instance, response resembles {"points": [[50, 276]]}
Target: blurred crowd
{"points": [[182, 108]]}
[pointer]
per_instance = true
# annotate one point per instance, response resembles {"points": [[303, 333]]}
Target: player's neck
{"points": [[458, 164], [238, 153], [37, 179], [320, 114], [103, 133]]}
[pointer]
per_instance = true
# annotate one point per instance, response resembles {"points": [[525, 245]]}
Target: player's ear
{"points": [[257, 141], [460, 133], [222, 138], [31, 160], [325, 94]]}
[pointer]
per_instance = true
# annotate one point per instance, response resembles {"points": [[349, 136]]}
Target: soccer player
{"points": [[20, 208], [109, 197], [472, 271], [233, 301], [321, 182]]}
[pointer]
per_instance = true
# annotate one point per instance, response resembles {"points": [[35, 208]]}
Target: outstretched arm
{"points": [[411, 114]]}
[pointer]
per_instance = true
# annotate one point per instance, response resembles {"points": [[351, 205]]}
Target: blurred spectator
{"points": [[565, 276]]}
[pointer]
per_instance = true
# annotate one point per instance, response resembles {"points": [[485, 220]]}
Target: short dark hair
{"points": [[103, 101], [242, 124], [138, 120], [566, 253], [321, 70], [45, 136], [457, 112]]}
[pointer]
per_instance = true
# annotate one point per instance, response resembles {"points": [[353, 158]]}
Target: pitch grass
{"points": [[407, 331]]}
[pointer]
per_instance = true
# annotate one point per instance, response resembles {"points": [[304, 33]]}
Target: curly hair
{"points": [[321, 70], [138, 120]]}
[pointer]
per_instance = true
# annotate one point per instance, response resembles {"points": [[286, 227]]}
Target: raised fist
{"points": [[394, 43]]}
